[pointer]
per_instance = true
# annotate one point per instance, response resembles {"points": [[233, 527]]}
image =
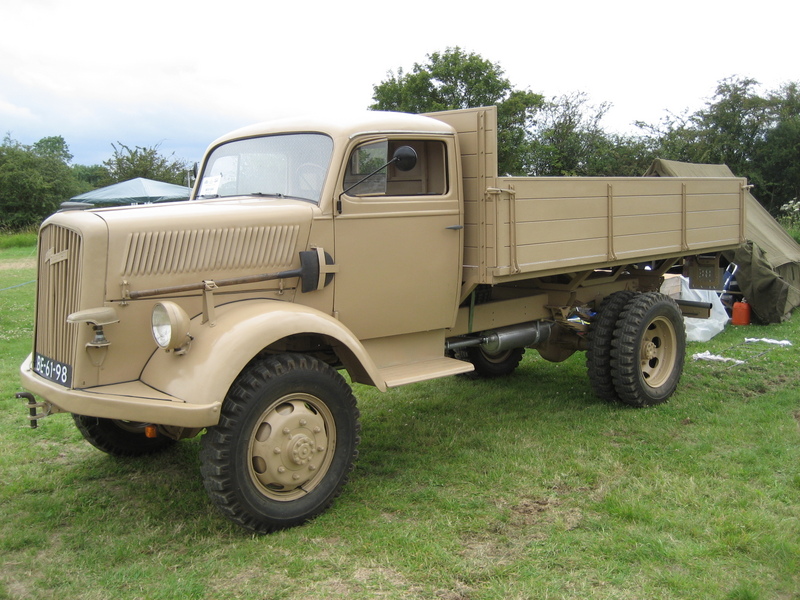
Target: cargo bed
{"points": [[523, 227]]}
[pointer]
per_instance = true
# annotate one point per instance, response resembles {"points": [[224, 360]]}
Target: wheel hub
{"points": [[289, 448], [302, 449], [658, 352]]}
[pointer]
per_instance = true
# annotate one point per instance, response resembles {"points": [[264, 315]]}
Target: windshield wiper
{"points": [[258, 194], [265, 195], [282, 196]]}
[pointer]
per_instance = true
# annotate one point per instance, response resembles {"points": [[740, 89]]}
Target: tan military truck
{"points": [[386, 246]]}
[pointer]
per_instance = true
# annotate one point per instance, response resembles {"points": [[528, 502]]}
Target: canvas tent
{"points": [[134, 191], [769, 263]]}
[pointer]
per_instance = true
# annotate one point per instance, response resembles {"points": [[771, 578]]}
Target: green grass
{"points": [[24, 239], [528, 487]]}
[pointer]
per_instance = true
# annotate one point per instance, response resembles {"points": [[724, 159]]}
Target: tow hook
{"points": [[33, 405]]}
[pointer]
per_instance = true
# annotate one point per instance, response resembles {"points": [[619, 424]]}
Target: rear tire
{"points": [[285, 443], [648, 350], [120, 438], [601, 334]]}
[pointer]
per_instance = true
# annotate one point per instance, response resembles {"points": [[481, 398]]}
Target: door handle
{"points": [[455, 227]]}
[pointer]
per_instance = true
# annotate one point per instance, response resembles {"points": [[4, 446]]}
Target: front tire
{"points": [[120, 438], [648, 350], [285, 443]]}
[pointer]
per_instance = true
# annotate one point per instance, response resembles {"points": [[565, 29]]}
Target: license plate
{"points": [[53, 370]]}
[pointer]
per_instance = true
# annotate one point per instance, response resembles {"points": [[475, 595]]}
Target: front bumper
{"points": [[127, 401]]}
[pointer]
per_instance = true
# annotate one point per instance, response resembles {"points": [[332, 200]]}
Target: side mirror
{"points": [[405, 158]]}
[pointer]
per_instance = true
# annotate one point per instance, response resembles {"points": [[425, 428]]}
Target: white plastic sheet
{"points": [[768, 341], [697, 330]]}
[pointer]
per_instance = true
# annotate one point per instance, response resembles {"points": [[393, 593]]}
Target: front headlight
{"points": [[170, 325]]}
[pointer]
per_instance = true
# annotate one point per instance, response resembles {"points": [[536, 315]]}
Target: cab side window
{"points": [[427, 178]]}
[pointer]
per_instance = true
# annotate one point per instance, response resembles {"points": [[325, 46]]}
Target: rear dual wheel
{"points": [[641, 361], [601, 334]]}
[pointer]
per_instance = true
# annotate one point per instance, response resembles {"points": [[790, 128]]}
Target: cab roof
{"points": [[343, 125]]}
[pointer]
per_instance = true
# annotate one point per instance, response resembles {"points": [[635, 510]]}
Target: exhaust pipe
{"points": [[526, 335]]}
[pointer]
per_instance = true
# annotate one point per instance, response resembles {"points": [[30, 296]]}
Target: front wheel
{"points": [[285, 443], [120, 438], [648, 350]]}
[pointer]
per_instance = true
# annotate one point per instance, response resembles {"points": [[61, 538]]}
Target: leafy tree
{"points": [[569, 139], [456, 79], [567, 136], [778, 159], [91, 176], [34, 180], [130, 163], [620, 156], [732, 124], [672, 138], [53, 147], [777, 155], [559, 137], [757, 136], [727, 130]]}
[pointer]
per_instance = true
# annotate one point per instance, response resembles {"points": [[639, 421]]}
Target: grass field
{"points": [[528, 487]]}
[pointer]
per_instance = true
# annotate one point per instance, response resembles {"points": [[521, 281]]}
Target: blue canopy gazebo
{"points": [[134, 191]]}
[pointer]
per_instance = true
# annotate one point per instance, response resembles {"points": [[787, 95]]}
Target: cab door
{"points": [[398, 239]]}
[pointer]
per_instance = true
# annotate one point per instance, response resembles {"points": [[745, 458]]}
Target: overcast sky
{"points": [[180, 74]]}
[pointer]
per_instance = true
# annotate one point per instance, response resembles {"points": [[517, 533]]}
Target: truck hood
{"points": [[161, 245]]}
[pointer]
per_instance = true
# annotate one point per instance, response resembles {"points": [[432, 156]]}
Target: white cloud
{"points": [[184, 72], [10, 111]]}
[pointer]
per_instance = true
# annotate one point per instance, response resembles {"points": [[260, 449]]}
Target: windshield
{"points": [[278, 166]]}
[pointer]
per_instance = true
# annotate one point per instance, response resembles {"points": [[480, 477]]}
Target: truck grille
{"points": [[58, 295]]}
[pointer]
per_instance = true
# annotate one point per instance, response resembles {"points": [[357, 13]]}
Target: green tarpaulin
{"points": [[769, 263]]}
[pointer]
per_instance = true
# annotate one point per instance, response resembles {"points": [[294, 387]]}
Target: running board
{"points": [[422, 371]]}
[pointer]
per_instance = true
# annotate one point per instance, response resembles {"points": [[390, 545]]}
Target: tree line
{"points": [[756, 134], [35, 179]]}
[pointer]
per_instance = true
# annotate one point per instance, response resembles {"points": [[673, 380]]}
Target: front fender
{"points": [[241, 330]]}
